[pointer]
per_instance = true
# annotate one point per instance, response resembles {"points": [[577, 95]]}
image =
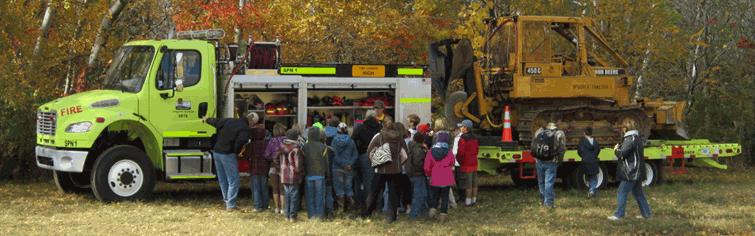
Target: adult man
{"points": [[467, 151], [362, 137], [233, 134], [546, 168], [379, 107]]}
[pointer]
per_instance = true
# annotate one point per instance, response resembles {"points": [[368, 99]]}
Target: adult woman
{"points": [[631, 171], [390, 172]]}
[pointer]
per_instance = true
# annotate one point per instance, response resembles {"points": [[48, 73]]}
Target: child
{"points": [[589, 150], [438, 163], [272, 150], [316, 169], [343, 166], [291, 170], [258, 168]]}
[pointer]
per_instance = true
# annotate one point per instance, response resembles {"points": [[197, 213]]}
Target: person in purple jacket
{"points": [[271, 153], [438, 165]]}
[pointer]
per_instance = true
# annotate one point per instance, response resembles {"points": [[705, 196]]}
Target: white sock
{"points": [[474, 200], [469, 201]]}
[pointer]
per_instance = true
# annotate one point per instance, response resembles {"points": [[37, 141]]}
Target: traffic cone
{"points": [[506, 137]]}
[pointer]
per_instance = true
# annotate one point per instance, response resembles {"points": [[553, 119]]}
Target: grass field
{"points": [[699, 202]]}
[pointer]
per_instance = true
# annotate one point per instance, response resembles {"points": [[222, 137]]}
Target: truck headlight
{"points": [[80, 127]]}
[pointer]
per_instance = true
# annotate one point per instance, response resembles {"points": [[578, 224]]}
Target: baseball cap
{"points": [[465, 123]]}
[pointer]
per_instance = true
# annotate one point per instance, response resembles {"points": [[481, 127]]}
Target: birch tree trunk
{"points": [[238, 32], [107, 21], [44, 29], [75, 37]]}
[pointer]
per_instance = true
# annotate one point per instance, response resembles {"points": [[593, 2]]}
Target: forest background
{"points": [[699, 51]]}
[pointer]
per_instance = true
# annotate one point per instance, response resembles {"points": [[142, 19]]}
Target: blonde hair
{"points": [[279, 130], [297, 127], [629, 124], [441, 124]]}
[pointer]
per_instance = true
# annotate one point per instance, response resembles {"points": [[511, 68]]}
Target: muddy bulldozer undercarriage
{"points": [[535, 80]]}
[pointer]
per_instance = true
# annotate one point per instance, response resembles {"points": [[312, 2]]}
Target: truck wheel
{"points": [[522, 182], [579, 179], [68, 182], [653, 174], [123, 173]]}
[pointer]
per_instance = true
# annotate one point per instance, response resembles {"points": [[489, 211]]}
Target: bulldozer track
{"points": [[526, 123]]}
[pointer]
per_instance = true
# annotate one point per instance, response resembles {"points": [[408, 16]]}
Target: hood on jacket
{"points": [[372, 123], [413, 145], [342, 141], [632, 132], [258, 134], [314, 135], [591, 146], [439, 150]]}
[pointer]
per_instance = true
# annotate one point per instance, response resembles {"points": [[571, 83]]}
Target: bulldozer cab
{"points": [[549, 46]]}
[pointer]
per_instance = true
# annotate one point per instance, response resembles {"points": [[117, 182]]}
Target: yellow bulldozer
{"points": [[539, 65]]}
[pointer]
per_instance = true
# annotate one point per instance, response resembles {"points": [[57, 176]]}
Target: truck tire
{"points": [[579, 179], [653, 174], [68, 182], [123, 172]]}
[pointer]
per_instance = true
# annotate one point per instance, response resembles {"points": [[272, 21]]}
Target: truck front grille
{"points": [[46, 122]]}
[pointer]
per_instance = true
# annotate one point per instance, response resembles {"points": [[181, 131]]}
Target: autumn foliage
{"points": [[696, 51]]}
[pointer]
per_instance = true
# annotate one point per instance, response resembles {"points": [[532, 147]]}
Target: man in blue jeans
{"points": [[546, 169], [233, 134], [362, 137]]}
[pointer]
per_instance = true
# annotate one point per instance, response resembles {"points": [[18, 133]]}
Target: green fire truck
{"points": [[144, 125]]}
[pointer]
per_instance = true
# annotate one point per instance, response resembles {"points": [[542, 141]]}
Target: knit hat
{"points": [[343, 129], [423, 128]]}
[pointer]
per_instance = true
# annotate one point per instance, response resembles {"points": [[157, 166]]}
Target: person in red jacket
{"points": [[467, 158]]}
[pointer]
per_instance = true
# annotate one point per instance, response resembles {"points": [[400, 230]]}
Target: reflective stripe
{"points": [[308, 70], [416, 100], [172, 134], [411, 71], [507, 124]]}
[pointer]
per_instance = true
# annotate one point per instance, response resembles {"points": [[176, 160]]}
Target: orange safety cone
{"points": [[506, 137]]}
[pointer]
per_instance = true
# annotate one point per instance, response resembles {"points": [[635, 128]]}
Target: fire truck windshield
{"points": [[129, 69]]}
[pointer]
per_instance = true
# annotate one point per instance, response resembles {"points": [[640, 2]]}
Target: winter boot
{"points": [[350, 205], [340, 204]]}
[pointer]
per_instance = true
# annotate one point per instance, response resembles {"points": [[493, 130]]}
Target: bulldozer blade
{"points": [[667, 119]]}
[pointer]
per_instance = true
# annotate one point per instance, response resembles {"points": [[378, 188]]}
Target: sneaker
{"points": [[433, 212], [591, 194], [276, 211], [641, 217], [614, 218]]}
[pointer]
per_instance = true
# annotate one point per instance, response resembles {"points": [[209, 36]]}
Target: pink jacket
{"points": [[440, 172]]}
